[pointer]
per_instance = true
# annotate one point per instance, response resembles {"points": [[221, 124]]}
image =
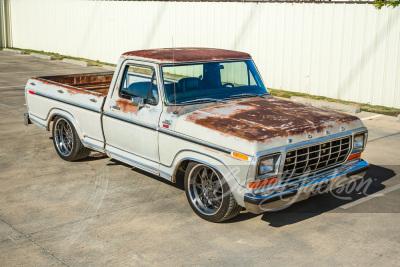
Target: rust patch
{"points": [[70, 89], [125, 105], [187, 54], [268, 118], [92, 83]]}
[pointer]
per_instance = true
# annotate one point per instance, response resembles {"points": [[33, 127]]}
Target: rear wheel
{"points": [[66, 140], [209, 194]]}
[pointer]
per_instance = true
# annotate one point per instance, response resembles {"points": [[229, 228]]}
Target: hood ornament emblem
{"points": [[289, 141], [342, 129], [310, 136], [327, 132]]}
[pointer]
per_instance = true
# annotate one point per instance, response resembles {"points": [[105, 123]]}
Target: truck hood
{"points": [[255, 124]]}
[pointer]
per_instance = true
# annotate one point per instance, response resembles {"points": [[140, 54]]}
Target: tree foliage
{"points": [[381, 3]]}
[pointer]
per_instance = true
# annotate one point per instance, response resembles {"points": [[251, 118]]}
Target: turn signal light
{"points": [[240, 156], [355, 156], [262, 183], [31, 92]]}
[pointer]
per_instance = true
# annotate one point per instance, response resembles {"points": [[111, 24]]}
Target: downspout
{"points": [[5, 24], [2, 26]]}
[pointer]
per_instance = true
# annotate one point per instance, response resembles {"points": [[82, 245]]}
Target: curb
{"points": [[326, 104], [106, 67], [8, 50], [41, 56], [76, 62]]}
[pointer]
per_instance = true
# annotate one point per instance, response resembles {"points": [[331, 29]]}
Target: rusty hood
{"points": [[256, 124]]}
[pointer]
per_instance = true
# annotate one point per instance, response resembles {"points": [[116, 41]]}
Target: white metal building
{"points": [[349, 51]]}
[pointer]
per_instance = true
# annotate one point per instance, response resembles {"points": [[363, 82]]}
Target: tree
{"points": [[381, 3]]}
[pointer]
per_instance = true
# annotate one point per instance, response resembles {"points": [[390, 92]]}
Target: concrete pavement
{"points": [[101, 212]]}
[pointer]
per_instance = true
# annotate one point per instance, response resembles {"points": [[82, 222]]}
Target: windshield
{"points": [[215, 81]]}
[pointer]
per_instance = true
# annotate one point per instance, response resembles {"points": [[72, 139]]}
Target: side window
{"points": [[141, 82]]}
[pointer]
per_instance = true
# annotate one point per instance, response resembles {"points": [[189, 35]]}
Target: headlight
{"points": [[269, 165], [359, 142]]}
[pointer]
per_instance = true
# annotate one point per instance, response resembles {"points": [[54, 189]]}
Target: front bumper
{"points": [[301, 190]]}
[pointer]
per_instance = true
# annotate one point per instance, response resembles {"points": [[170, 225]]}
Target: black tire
{"points": [[66, 140], [216, 210]]}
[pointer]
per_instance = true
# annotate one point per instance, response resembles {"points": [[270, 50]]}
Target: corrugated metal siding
{"points": [[345, 51], [5, 31]]}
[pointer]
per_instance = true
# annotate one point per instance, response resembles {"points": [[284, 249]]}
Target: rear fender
{"points": [[63, 113]]}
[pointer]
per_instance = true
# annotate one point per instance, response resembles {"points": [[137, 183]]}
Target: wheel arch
{"points": [[187, 156], [63, 113]]}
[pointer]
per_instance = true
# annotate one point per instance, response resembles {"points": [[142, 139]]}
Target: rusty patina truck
{"points": [[203, 116]]}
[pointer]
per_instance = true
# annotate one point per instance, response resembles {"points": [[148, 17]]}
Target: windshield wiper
{"points": [[247, 95], [199, 100]]}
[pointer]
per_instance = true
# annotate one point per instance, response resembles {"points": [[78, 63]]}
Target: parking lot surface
{"points": [[101, 212]]}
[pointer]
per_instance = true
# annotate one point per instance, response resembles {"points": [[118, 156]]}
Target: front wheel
{"points": [[66, 140], [208, 193]]}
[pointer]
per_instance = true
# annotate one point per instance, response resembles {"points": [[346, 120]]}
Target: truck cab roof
{"points": [[185, 55]]}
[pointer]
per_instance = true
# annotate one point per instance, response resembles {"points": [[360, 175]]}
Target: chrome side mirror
{"points": [[137, 102]]}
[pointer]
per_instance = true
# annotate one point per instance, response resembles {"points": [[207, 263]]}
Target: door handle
{"points": [[115, 107], [60, 91]]}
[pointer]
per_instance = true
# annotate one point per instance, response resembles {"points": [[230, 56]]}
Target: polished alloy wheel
{"points": [[64, 137], [205, 189]]}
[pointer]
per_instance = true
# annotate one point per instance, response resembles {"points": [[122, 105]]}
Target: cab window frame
{"points": [[153, 80]]}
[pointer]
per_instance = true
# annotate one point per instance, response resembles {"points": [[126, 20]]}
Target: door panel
{"points": [[131, 131]]}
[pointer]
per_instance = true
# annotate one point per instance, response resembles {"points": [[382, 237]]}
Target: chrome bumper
{"points": [[318, 184]]}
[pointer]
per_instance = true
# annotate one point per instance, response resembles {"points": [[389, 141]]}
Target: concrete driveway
{"points": [[101, 212]]}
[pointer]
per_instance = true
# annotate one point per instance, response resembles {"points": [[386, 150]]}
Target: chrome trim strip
{"points": [[40, 125], [132, 153], [133, 163], [67, 102], [165, 175], [130, 121], [92, 146], [196, 141], [168, 132], [102, 141]]}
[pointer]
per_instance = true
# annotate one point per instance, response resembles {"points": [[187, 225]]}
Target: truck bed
{"points": [[95, 82], [72, 96]]}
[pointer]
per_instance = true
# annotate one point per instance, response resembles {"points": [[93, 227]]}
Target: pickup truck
{"points": [[203, 116]]}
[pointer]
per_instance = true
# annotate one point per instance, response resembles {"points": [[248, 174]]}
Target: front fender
{"points": [[231, 173]]}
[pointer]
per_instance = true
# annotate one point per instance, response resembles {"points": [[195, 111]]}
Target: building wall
{"points": [[344, 51], [5, 30]]}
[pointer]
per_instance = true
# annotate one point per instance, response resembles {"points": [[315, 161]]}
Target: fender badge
{"points": [[309, 136], [342, 129], [327, 132], [167, 122], [289, 141]]}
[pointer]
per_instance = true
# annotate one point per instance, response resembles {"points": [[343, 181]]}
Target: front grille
{"points": [[315, 157]]}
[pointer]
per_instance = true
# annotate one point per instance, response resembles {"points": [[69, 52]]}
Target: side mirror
{"points": [[137, 102]]}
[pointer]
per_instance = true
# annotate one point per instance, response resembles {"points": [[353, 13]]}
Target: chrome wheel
{"points": [[64, 137], [205, 189]]}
